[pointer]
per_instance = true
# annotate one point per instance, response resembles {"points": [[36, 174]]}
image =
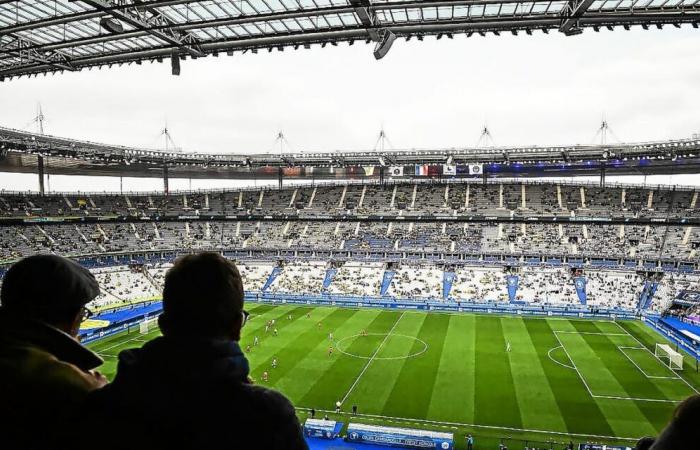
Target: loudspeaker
{"points": [[175, 63], [384, 44]]}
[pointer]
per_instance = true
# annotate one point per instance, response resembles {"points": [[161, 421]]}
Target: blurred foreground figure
{"points": [[682, 432], [189, 389], [45, 374]]}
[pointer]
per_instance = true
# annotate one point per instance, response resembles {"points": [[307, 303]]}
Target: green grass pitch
{"points": [[563, 378]]}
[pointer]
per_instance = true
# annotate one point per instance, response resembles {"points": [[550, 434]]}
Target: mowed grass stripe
{"points": [[312, 366], [624, 416], [453, 390], [272, 346], [374, 389], [256, 325], [649, 338], [569, 392], [538, 406], [257, 308], [634, 383], [671, 387], [336, 380], [495, 399], [308, 339], [418, 375], [590, 365]]}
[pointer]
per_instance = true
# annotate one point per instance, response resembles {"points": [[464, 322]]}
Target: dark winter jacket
{"points": [[189, 394], [45, 376]]}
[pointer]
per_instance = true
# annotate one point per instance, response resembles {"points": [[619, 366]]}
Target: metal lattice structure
{"points": [[38, 36], [20, 151]]}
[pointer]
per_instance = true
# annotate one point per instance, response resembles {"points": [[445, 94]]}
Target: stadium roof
{"points": [[21, 150], [69, 35]]}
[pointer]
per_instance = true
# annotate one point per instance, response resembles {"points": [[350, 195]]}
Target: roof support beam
{"points": [[367, 16], [573, 11], [152, 22], [23, 48]]}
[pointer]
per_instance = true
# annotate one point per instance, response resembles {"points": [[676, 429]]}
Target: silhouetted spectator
{"points": [[644, 443], [190, 389], [45, 374], [682, 432]]}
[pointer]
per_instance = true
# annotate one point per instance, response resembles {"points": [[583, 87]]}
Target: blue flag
{"points": [[513, 282], [580, 285]]}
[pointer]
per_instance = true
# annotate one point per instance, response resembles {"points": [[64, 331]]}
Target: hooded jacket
{"points": [[45, 376], [192, 394]]}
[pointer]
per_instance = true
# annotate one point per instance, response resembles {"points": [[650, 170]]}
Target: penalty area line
{"points": [[680, 377]]}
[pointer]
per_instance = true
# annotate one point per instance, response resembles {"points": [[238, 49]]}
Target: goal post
{"points": [[669, 356], [148, 325]]}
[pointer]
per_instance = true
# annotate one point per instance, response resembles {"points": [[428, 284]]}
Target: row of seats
{"points": [[586, 240], [122, 285], [422, 198]]}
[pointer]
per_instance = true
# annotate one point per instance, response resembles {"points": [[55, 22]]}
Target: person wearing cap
{"points": [[45, 374], [190, 388]]}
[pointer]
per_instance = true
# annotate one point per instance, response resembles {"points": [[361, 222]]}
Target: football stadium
{"points": [[488, 297]]}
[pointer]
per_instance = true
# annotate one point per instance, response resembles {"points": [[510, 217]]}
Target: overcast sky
{"points": [[540, 89]]}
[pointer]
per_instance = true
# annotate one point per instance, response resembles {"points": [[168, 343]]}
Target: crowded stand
{"points": [[538, 285], [123, 285], [411, 198], [485, 283], [676, 243], [335, 221], [255, 274], [358, 279], [300, 278], [416, 283]]}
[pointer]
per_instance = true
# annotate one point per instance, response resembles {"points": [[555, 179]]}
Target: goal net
{"points": [[148, 325], [669, 356]]}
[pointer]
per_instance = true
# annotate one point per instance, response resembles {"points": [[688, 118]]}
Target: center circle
{"points": [[372, 345]]}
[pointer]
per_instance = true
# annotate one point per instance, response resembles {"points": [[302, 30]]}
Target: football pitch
{"points": [[562, 379]]}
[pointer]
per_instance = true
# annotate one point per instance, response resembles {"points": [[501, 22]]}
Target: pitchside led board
{"points": [[600, 447], [399, 437], [322, 429]]}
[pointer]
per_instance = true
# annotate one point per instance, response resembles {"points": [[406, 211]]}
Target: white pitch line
{"points": [[659, 359], [357, 380], [654, 400], [622, 349], [610, 397], [549, 353], [583, 380], [592, 333], [140, 336]]}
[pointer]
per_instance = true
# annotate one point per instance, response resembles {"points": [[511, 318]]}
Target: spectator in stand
{"points": [[682, 432], [190, 389], [45, 374]]}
